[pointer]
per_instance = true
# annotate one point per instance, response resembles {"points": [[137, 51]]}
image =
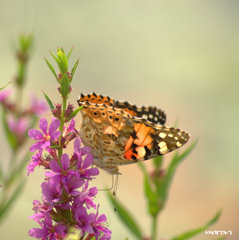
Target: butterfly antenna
{"points": [[115, 191]]}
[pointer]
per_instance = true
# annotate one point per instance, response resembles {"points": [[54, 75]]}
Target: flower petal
{"points": [[92, 172], [38, 233], [43, 125], [54, 166], [35, 146], [87, 161], [54, 126], [55, 135], [77, 145], [93, 191], [45, 145], [102, 218], [65, 161], [35, 134]]}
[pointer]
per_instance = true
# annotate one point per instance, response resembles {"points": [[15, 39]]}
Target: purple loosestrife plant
{"points": [[68, 201], [17, 120]]}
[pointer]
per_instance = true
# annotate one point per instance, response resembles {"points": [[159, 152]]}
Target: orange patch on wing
{"points": [[143, 137], [129, 154], [129, 143]]}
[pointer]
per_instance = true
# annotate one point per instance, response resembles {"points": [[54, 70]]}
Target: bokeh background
{"points": [[181, 56]]}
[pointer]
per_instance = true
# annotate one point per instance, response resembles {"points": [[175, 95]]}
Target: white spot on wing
{"points": [[178, 144], [162, 135], [163, 147]]}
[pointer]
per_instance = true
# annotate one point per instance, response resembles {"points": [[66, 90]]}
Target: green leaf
{"points": [[52, 69], [69, 54], [158, 161], [65, 84], [194, 232], [166, 181], [74, 68], [56, 59], [5, 208], [125, 217], [62, 62], [5, 86], [151, 196], [12, 140], [49, 101], [75, 112]]}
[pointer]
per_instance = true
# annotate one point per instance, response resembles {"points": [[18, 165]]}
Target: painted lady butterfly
{"points": [[120, 133]]}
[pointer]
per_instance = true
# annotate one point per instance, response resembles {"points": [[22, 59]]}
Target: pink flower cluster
{"points": [[19, 121], [67, 199]]}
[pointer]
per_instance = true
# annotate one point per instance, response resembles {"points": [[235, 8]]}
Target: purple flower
{"points": [[4, 94], [46, 137], [51, 191], [18, 126], [38, 107], [84, 220], [41, 207], [71, 183], [80, 151], [83, 165], [63, 170], [36, 161], [47, 230], [99, 227], [86, 197]]}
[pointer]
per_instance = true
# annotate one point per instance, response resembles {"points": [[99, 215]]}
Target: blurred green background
{"points": [[181, 56]]}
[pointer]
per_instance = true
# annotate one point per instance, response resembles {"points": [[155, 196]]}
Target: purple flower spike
{"points": [[67, 199], [44, 138]]}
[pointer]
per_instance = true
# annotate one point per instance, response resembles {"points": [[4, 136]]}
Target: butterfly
{"points": [[120, 133]]}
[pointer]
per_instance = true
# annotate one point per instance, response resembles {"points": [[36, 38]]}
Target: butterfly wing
{"points": [[149, 140], [117, 136], [153, 114]]}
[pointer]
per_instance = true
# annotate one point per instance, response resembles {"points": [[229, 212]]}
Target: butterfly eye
{"points": [[116, 119]]}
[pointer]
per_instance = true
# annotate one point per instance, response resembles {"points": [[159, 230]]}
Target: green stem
{"points": [[64, 102], [12, 164], [154, 228]]}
